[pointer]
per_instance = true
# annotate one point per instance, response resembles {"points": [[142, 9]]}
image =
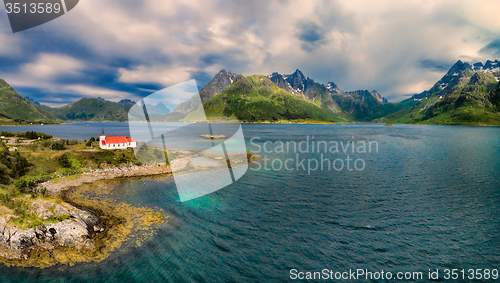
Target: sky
{"points": [[118, 49]]}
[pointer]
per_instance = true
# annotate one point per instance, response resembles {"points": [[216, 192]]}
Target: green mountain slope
{"points": [[15, 108], [463, 96], [362, 105], [91, 109], [257, 98], [99, 110]]}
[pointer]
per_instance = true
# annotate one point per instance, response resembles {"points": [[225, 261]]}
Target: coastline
{"points": [[87, 194], [56, 186], [279, 122]]}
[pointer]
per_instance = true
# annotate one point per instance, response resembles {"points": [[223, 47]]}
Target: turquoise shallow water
{"points": [[429, 198]]}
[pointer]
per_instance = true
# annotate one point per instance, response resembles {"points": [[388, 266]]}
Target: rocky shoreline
{"points": [[87, 227], [66, 232], [55, 187], [75, 232]]}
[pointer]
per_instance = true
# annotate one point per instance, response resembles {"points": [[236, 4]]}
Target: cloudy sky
{"points": [[119, 49]]}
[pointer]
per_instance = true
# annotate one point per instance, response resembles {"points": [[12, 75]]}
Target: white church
{"points": [[120, 142]]}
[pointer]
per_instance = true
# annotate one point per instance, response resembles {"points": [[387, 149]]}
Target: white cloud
{"points": [[43, 71], [165, 75], [54, 104], [48, 68], [93, 91], [363, 45], [174, 95]]}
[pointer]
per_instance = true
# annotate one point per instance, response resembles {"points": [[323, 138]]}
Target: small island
{"points": [[389, 125], [214, 137]]}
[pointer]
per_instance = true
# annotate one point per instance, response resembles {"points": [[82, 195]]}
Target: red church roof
{"points": [[121, 139]]}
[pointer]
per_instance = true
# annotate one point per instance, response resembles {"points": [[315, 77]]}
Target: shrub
{"points": [[64, 161], [58, 145], [23, 184], [157, 153], [74, 163], [71, 142], [122, 158]]}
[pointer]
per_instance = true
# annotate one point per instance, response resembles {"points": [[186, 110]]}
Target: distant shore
{"points": [[266, 122]]}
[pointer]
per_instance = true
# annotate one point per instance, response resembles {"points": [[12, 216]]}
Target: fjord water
{"points": [[429, 198]]}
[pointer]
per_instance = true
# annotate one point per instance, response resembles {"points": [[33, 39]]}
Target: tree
{"points": [[64, 161], [4, 157], [20, 165], [4, 174]]}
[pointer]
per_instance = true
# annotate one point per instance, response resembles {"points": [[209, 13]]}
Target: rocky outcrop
{"points": [[217, 84], [75, 231], [55, 187], [306, 88]]}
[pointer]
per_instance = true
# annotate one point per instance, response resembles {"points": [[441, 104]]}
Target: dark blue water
{"points": [[428, 199], [79, 131]]}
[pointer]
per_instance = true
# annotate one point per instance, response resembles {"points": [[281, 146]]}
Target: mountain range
{"points": [[278, 97], [466, 94]]}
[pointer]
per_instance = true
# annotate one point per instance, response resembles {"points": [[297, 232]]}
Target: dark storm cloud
{"points": [[492, 48], [436, 65], [310, 33], [126, 49]]}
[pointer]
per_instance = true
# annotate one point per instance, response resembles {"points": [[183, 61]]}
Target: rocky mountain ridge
{"points": [[466, 94]]}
